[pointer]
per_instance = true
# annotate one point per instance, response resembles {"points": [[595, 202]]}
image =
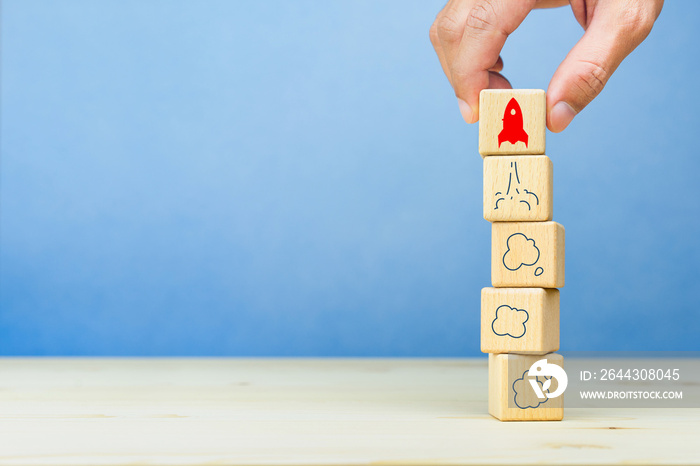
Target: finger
{"points": [[551, 3], [450, 26], [498, 66], [498, 81], [588, 66], [435, 40], [486, 28]]}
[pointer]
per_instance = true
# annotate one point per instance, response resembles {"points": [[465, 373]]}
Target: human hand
{"points": [[468, 36]]}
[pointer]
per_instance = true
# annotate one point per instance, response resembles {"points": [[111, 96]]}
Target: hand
{"points": [[468, 36]]}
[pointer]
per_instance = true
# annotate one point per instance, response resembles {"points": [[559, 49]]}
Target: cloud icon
{"points": [[521, 250], [509, 321], [521, 387]]}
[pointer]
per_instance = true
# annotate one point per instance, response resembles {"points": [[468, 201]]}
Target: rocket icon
{"points": [[512, 124]]}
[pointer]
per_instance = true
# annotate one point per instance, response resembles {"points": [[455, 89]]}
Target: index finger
{"points": [[488, 25]]}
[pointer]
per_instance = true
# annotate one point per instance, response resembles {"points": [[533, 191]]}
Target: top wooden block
{"points": [[512, 121]]}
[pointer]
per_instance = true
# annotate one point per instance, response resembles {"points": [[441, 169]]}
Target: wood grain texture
{"points": [[492, 109], [518, 188], [508, 380], [527, 254], [303, 412], [519, 320]]}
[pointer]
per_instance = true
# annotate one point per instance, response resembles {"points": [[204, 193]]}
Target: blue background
{"points": [[294, 178]]}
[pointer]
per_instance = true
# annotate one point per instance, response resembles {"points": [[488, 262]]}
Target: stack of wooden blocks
{"points": [[520, 314]]}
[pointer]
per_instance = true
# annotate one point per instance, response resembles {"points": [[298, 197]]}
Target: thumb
{"points": [[588, 66]]}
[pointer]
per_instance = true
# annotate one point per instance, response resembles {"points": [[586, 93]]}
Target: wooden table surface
{"points": [[304, 412]]}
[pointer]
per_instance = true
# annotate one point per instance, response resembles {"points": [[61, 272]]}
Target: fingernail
{"points": [[466, 111], [562, 114]]}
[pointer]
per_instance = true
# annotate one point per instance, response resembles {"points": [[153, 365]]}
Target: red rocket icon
{"points": [[512, 124]]}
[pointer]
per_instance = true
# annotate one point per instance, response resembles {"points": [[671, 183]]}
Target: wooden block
{"points": [[511, 395], [518, 188], [512, 121], [527, 254], [519, 320]]}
